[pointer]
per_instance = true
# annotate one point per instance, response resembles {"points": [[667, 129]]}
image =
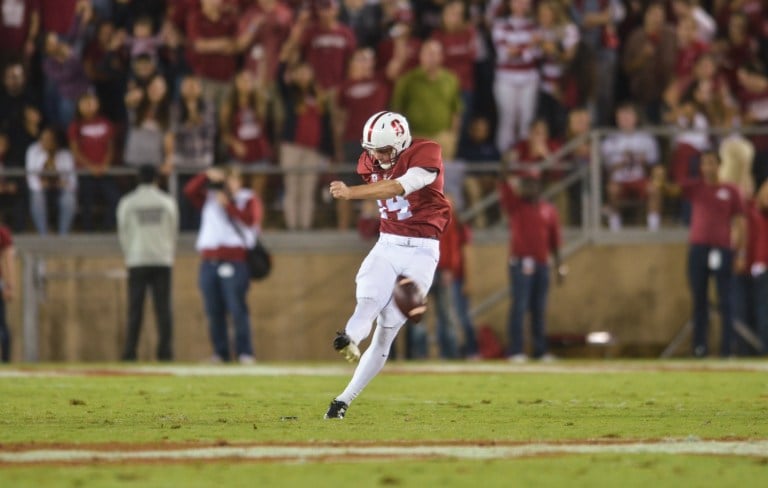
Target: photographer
{"points": [[231, 215]]}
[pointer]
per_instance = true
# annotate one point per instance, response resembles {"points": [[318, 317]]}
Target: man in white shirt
{"points": [[629, 158], [148, 227]]}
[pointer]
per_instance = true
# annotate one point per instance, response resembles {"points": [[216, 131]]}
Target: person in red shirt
{"points": [[459, 41], [536, 147], [211, 48], [405, 177], [243, 127], [91, 140], [717, 215], [534, 226], [753, 80], [19, 27], [450, 290], [362, 94], [7, 289]]}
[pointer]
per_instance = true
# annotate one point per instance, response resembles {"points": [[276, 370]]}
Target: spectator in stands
{"points": [[148, 228], [516, 84], [51, 173], [480, 148], [143, 40], [598, 22], [398, 51], [649, 61], [579, 125], [630, 158], [107, 70], [20, 120], [704, 24], [149, 138], [753, 98], [231, 216], [738, 48], [717, 248], [8, 289], [91, 141], [534, 229], [19, 28], [65, 78], [692, 139], [193, 124], [558, 39], [365, 20], [459, 42], [362, 94], [689, 49], [325, 44], [262, 30], [211, 48], [244, 127], [756, 313], [301, 155], [535, 149], [143, 70], [430, 98]]}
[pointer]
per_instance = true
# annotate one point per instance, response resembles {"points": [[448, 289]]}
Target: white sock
{"points": [[654, 221], [614, 221], [373, 360], [359, 324]]}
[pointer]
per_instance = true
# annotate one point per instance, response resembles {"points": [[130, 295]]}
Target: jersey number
{"points": [[398, 205]]}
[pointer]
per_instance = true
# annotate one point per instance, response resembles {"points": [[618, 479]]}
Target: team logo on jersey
{"points": [[374, 177], [398, 127]]}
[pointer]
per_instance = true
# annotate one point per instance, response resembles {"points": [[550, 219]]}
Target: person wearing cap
{"points": [[148, 227], [534, 227]]}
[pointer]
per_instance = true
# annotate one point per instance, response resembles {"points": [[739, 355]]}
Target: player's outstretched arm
{"points": [[380, 190]]}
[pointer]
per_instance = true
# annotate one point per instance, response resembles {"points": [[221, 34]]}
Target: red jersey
{"points": [[456, 236], [327, 51], [714, 206], [214, 66], [534, 225], [15, 20], [6, 241], [93, 138], [249, 129], [687, 57], [271, 31], [359, 99], [459, 52], [423, 213], [757, 235], [57, 15]]}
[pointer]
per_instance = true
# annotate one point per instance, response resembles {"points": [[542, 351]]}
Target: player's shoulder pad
{"points": [[424, 153]]}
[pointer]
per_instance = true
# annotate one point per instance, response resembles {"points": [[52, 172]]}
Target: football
{"points": [[409, 299]]}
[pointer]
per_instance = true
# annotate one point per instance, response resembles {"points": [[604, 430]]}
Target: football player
{"points": [[405, 177]]}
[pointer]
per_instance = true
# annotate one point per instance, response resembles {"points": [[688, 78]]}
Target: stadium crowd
{"points": [[286, 85], [185, 84]]}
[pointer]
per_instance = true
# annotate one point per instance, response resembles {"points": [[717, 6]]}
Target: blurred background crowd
{"points": [[283, 88]]}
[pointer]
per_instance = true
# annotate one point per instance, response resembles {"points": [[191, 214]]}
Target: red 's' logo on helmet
{"points": [[398, 127]]}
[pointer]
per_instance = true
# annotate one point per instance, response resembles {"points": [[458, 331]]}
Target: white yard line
{"points": [[276, 453], [324, 369]]}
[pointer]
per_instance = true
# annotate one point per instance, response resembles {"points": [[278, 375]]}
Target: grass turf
{"points": [[519, 406]]}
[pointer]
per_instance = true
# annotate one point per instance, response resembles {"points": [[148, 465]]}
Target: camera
{"points": [[215, 185]]}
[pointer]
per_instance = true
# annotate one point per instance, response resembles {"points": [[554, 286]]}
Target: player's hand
{"points": [[339, 190]]}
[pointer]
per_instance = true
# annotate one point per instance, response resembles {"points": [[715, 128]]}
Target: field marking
{"points": [[322, 369], [324, 453]]}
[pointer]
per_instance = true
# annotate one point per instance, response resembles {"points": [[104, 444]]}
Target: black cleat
{"points": [[346, 347], [336, 410]]}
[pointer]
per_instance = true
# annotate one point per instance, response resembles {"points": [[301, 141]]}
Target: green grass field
{"points": [[486, 424]]}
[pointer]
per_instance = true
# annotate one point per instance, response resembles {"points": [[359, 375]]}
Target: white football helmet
{"points": [[386, 129]]}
